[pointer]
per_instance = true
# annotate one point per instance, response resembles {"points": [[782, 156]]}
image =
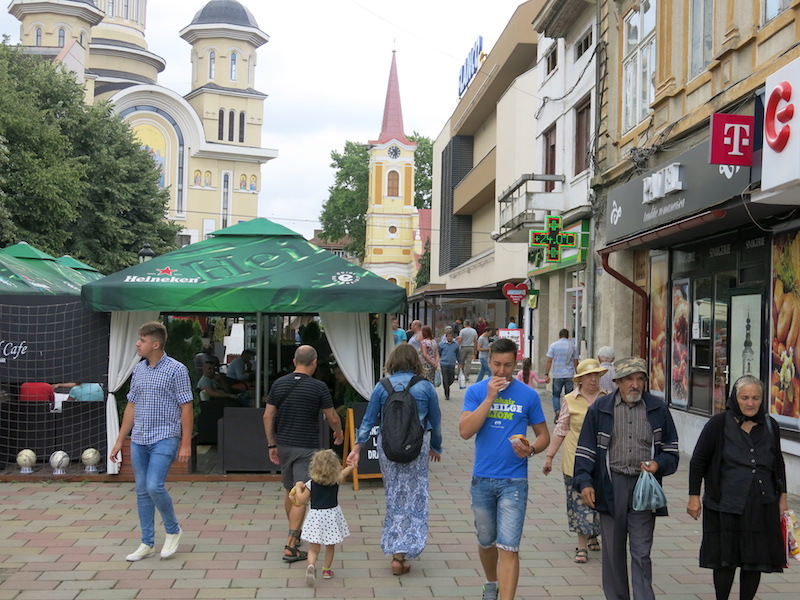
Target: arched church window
{"points": [[110, 8], [231, 125], [233, 66], [393, 184], [82, 39], [226, 200], [62, 38], [241, 127], [221, 125], [38, 36], [212, 65]]}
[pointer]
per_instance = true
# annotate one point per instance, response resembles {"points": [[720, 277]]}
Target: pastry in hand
{"points": [[519, 438]]}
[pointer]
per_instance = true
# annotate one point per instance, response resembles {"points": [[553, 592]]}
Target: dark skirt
{"points": [[752, 540]]}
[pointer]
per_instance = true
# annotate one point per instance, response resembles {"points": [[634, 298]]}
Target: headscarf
{"points": [[733, 404]]}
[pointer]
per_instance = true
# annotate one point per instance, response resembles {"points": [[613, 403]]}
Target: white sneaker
{"points": [[143, 551], [311, 575], [171, 544]]}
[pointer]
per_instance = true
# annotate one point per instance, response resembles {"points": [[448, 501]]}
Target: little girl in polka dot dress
{"points": [[325, 523]]}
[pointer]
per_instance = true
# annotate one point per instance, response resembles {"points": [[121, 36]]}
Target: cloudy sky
{"points": [[325, 70]]}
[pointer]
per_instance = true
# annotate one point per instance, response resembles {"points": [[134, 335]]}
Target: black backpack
{"points": [[401, 432]]}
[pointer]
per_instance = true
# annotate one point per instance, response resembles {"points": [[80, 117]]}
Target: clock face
{"points": [[394, 152]]}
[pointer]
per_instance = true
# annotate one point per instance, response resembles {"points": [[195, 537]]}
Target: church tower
{"points": [[392, 219]]}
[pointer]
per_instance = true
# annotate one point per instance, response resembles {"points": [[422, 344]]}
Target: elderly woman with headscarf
{"points": [[582, 520], [738, 457]]}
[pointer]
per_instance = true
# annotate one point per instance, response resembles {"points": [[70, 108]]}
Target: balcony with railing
{"points": [[525, 205]]}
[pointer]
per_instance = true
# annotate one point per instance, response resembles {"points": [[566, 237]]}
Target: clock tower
{"points": [[392, 220]]}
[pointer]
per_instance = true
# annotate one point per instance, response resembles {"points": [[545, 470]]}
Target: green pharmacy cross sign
{"points": [[554, 238]]}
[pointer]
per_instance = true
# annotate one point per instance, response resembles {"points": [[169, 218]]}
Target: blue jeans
{"points": [[150, 466], [484, 369], [560, 383], [499, 509]]}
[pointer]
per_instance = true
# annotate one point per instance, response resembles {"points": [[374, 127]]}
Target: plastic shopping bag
{"points": [[462, 380], [792, 529], [648, 494], [437, 378]]}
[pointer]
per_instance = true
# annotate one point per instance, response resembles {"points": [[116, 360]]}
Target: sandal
{"points": [[581, 555], [400, 566], [594, 544], [294, 555]]}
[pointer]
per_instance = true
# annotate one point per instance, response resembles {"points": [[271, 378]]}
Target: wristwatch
{"points": [[271, 446], [533, 452]]}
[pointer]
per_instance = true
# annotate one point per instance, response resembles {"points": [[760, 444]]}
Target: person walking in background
{"points": [[448, 357], [484, 341], [512, 323], [466, 339], [562, 358], [324, 524], [495, 413], [581, 519], [159, 418], [399, 334], [405, 526], [412, 335], [606, 358], [527, 375], [291, 424], [623, 434], [480, 325], [428, 353], [738, 456]]}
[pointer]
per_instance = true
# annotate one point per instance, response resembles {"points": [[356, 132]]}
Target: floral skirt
{"points": [[582, 519], [405, 527]]}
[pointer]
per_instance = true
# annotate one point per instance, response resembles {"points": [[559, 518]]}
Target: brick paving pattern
{"points": [[69, 541]]}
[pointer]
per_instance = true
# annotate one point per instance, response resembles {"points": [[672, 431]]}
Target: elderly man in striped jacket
{"points": [[625, 433]]}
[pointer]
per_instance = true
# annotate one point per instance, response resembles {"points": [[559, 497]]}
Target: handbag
{"points": [[437, 378], [648, 493], [462, 379]]}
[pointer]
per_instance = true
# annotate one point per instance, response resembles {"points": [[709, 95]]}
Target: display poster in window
{"points": [[658, 325], [745, 336], [785, 344], [680, 343], [516, 336]]}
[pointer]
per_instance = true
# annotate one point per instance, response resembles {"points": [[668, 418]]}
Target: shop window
{"points": [[638, 64], [582, 45], [772, 8], [62, 38], [582, 135], [38, 36], [393, 183], [701, 46], [550, 157], [212, 64]]}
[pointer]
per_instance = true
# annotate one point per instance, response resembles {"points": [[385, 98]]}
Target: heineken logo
{"points": [[346, 277], [165, 275]]}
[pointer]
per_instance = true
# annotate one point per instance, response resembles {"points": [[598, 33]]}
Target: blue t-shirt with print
{"points": [[516, 408]]}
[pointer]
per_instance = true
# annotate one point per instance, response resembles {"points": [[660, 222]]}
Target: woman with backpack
{"points": [[405, 527]]}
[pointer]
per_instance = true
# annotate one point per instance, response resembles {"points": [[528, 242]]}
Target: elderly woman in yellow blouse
{"points": [[582, 519]]}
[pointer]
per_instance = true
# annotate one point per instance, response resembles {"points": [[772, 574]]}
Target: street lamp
{"points": [[146, 253]]}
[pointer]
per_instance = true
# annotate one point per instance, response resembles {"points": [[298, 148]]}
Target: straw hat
{"points": [[588, 366]]}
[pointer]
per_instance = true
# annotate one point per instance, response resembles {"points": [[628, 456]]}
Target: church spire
{"points": [[392, 128]]}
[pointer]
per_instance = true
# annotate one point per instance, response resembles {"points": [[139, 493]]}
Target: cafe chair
{"points": [[36, 392]]}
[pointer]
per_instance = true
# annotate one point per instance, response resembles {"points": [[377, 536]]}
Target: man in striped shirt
{"points": [[625, 433], [159, 418]]}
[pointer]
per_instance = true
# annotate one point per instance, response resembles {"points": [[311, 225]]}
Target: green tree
{"points": [[344, 212], [423, 170], [72, 177], [423, 276]]}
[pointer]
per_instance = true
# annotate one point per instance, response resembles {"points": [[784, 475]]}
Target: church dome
{"points": [[229, 12]]}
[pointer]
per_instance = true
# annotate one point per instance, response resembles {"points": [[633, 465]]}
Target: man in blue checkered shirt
{"points": [[159, 418]]}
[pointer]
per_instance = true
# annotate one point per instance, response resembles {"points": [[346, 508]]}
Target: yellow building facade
{"points": [[392, 219], [206, 144]]}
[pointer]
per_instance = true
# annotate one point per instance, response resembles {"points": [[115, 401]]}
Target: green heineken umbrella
{"points": [[255, 266], [26, 277], [46, 265], [86, 270]]}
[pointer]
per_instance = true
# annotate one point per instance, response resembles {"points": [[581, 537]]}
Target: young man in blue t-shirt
{"points": [[497, 409]]}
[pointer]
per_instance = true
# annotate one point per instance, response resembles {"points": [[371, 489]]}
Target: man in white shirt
{"points": [[466, 339]]}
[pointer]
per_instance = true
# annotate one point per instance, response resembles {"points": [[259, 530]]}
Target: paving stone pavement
{"points": [[69, 541]]}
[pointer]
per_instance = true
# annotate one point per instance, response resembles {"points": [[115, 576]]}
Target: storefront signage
{"points": [[703, 186], [662, 183], [515, 293], [732, 139], [12, 350], [553, 238], [470, 67], [781, 154]]}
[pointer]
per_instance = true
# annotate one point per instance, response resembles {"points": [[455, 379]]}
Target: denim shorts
{"points": [[499, 508], [294, 464]]}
